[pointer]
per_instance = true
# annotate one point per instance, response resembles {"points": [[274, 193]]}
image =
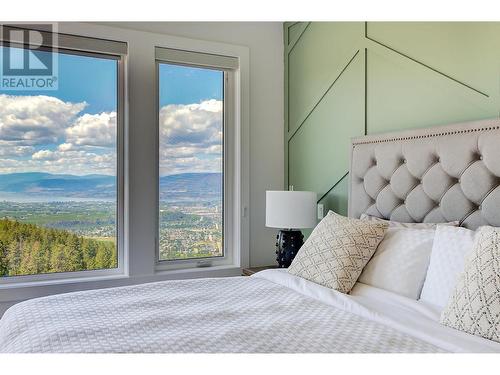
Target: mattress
{"points": [[272, 311]]}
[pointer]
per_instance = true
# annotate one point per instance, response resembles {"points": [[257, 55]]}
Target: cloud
{"points": [[187, 124], [64, 160], [191, 137], [9, 165], [77, 163], [174, 152], [190, 164], [43, 155], [93, 130], [46, 134], [35, 120], [66, 140], [7, 149], [65, 147]]}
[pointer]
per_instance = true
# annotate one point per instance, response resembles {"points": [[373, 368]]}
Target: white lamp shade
{"points": [[290, 209]]}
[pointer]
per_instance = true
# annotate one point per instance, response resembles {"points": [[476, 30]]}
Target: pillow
{"points": [[450, 246], [474, 306], [400, 263], [337, 250], [397, 224]]}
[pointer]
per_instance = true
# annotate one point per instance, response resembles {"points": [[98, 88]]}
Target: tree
{"points": [[30, 249], [45, 254], [89, 254], [103, 256], [74, 261], [28, 264], [58, 259], [14, 257], [4, 265]]}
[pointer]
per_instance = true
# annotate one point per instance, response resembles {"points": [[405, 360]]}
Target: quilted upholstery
{"points": [[434, 175]]}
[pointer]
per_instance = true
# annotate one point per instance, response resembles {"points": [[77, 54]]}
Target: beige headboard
{"points": [[438, 174]]}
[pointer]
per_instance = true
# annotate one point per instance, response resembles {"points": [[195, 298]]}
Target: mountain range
{"points": [[179, 186]]}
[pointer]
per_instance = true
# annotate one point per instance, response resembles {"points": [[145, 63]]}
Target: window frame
{"points": [[229, 66], [118, 51]]}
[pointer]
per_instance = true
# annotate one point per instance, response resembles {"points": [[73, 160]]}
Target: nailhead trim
{"points": [[426, 135], [475, 207]]}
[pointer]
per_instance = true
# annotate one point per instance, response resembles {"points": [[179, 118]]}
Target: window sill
{"points": [[160, 271], [17, 292], [62, 281], [186, 272]]}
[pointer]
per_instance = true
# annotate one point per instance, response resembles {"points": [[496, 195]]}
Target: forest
{"points": [[27, 249]]}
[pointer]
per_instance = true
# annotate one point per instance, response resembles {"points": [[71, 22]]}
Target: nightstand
{"points": [[251, 270]]}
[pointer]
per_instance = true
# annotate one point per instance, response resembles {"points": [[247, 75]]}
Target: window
{"points": [[61, 164], [194, 117]]}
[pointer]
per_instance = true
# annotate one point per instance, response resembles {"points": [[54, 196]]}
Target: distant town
{"points": [[190, 230], [191, 216]]}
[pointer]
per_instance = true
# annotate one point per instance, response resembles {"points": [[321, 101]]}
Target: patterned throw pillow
{"points": [[337, 250], [474, 306]]}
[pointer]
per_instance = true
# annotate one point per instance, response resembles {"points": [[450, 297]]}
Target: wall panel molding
{"points": [[403, 94], [414, 75], [293, 37], [312, 65], [326, 132], [292, 133], [427, 66]]}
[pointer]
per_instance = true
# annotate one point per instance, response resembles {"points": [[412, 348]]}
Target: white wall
{"points": [[265, 40]]}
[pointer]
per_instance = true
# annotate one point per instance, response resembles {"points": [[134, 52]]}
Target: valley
{"points": [[190, 211]]}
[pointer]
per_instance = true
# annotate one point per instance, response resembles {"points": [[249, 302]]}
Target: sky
{"points": [[190, 119], [72, 130]]}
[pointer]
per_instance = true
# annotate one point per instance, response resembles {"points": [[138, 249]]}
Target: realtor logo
{"points": [[29, 57]]}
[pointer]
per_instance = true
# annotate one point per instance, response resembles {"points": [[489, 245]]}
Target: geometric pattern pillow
{"points": [[337, 250], [474, 306]]}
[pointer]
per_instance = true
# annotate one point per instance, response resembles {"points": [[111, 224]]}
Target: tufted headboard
{"points": [[438, 174]]}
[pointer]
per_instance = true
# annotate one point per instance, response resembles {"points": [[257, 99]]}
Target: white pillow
{"points": [[400, 261], [397, 224], [450, 247]]}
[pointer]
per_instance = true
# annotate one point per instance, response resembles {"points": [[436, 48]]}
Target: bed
{"points": [[273, 311]]}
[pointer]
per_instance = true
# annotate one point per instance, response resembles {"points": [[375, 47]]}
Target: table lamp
{"points": [[290, 211]]}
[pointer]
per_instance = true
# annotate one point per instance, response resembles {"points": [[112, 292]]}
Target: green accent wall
{"points": [[345, 79]]}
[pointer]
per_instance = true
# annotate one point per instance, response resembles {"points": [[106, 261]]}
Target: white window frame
{"points": [[140, 171], [229, 65], [116, 50]]}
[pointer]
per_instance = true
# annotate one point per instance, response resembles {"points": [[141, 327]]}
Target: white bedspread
{"points": [[269, 312]]}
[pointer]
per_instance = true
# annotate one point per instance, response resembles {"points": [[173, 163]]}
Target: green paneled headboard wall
{"points": [[345, 79]]}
